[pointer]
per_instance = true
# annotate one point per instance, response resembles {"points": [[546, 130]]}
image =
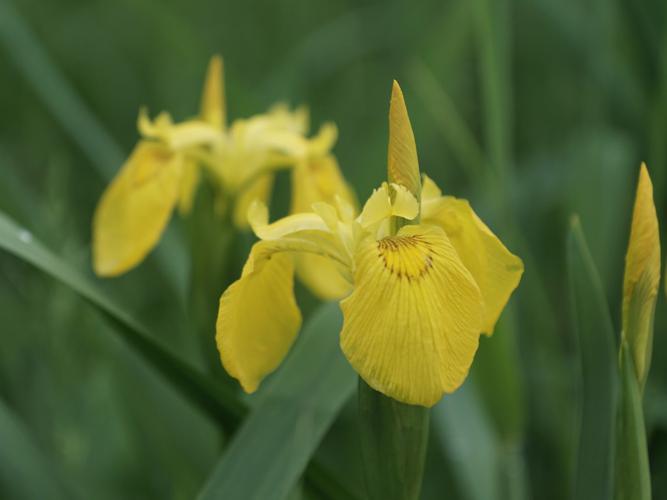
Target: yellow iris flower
{"points": [[417, 298], [165, 168]]}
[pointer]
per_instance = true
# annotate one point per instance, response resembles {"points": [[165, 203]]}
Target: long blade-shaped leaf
{"points": [[270, 451], [598, 394], [468, 439], [25, 472], [215, 400]]}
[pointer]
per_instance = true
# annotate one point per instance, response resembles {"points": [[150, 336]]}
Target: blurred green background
{"points": [[534, 110]]}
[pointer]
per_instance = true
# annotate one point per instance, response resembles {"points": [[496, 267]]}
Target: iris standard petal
{"points": [[411, 326], [135, 208], [496, 270], [258, 319]]}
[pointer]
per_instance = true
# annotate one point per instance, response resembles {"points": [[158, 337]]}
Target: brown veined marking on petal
{"points": [[394, 251]]}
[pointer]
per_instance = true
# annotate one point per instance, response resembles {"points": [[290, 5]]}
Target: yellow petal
{"points": [[404, 204], [411, 326], [191, 133], [322, 276], [258, 190], [642, 276], [177, 136], [430, 189], [319, 180], [495, 269], [135, 208], [402, 164], [258, 319], [189, 184], [258, 217], [213, 109], [377, 207]]}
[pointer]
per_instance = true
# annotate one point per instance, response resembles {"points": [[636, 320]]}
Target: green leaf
{"points": [[215, 400], [633, 475], [25, 471], [268, 454], [470, 442], [598, 391], [394, 439]]}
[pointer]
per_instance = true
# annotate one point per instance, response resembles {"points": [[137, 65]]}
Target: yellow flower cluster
{"points": [[166, 165], [419, 275]]}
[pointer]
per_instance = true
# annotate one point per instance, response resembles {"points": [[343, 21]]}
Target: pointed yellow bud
{"points": [[642, 276], [402, 162], [213, 108]]}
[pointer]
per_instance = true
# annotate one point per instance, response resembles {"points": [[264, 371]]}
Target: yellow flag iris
{"points": [[418, 298], [642, 277], [165, 168]]}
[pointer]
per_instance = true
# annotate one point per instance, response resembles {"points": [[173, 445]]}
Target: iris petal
{"points": [[411, 326], [258, 319], [135, 209], [495, 269]]}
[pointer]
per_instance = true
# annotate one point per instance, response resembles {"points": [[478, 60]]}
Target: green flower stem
{"points": [[394, 438], [212, 238]]}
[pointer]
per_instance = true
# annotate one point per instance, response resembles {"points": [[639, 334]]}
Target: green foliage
{"points": [[598, 378]]}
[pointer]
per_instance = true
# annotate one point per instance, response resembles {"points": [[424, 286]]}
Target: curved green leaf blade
{"points": [[633, 476], [213, 399], [598, 392], [268, 454], [25, 472], [469, 440]]}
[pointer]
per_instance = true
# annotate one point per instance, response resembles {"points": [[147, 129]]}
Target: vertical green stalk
{"points": [[633, 477], [212, 237], [394, 438]]}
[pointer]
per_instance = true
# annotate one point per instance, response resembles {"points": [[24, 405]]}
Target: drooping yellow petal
{"points": [[402, 162], [189, 184], [258, 319], [213, 108], [258, 190], [495, 269], [642, 277], [411, 326], [135, 208]]}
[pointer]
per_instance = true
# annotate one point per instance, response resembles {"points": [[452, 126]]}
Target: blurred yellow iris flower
{"points": [[416, 297], [165, 168], [642, 278]]}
